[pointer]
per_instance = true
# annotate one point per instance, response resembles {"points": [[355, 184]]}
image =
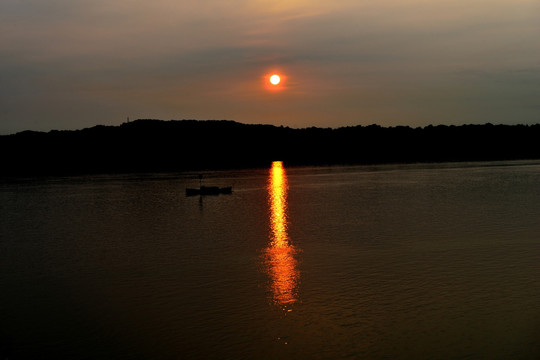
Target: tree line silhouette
{"points": [[158, 146]]}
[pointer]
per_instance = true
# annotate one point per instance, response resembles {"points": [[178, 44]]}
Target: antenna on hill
{"points": [[128, 119]]}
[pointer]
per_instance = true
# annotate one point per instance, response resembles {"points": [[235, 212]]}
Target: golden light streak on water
{"points": [[278, 205], [281, 261]]}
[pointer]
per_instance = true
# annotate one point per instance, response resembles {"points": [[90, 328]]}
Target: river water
{"points": [[427, 261]]}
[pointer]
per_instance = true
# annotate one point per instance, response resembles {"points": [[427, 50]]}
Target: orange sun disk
{"points": [[275, 79]]}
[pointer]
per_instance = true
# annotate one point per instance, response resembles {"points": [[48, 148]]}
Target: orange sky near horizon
{"points": [[69, 65]]}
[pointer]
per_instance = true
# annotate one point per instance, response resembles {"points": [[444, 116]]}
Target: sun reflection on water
{"points": [[281, 261]]}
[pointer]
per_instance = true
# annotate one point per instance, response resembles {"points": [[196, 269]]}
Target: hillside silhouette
{"points": [[157, 146]]}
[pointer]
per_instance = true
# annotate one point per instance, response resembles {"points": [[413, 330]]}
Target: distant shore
{"points": [[159, 146]]}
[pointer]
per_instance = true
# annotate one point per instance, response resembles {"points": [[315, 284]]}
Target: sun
{"points": [[275, 79]]}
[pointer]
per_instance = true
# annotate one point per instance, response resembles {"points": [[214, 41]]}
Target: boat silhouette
{"points": [[209, 190]]}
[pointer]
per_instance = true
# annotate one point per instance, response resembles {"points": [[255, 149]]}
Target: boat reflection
{"points": [[281, 263]]}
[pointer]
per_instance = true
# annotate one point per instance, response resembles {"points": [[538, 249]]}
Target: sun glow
{"points": [[281, 261], [275, 79]]}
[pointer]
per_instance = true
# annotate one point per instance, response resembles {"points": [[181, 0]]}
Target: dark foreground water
{"points": [[385, 262]]}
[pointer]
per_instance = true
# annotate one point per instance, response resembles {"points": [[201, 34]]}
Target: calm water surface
{"points": [[436, 261]]}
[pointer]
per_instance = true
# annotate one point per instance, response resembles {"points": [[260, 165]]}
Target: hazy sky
{"points": [[68, 64]]}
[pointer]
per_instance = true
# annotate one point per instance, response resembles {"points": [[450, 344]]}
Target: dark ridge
{"points": [[159, 146]]}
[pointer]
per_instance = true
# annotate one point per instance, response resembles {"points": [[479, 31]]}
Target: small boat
{"points": [[209, 190]]}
